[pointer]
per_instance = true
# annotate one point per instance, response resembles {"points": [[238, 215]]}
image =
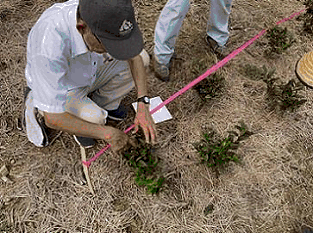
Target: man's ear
{"points": [[81, 27]]}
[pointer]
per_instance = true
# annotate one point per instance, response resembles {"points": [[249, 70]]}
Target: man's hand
{"points": [[144, 119], [118, 140]]}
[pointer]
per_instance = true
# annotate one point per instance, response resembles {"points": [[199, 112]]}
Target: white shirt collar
{"points": [[78, 45]]}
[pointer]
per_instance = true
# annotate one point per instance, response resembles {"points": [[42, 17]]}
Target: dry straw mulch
{"points": [[270, 191]]}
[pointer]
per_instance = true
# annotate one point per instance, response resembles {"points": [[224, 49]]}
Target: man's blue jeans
{"points": [[171, 19]]}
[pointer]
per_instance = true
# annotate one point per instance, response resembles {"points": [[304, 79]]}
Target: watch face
{"points": [[146, 99]]}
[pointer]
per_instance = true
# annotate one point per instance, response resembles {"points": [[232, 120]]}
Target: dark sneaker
{"points": [[33, 124], [220, 51], [84, 141], [119, 114]]}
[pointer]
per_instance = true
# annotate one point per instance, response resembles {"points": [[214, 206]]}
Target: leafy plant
{"points": [[145, 164], [212, 87], [279, 39], [280, 97], [284, 97], [216, 152]]}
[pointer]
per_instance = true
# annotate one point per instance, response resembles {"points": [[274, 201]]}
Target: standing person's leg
{"points": [[166, 32], [217, 27]]}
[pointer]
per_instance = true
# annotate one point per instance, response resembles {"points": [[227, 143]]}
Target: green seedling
{"points": [[255, 73], [308, 17], [217, 153], [283, 98], [145, 164], [279, 39], [280, 97]]}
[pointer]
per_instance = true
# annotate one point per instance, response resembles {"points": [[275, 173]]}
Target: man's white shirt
{"points": [[57, 58]]}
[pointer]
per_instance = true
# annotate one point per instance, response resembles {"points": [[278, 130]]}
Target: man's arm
{"points": [[74, 125], [143, 117], [139, 75]]}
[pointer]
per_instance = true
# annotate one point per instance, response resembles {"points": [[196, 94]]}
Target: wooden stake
{"points": [[83, 153]]}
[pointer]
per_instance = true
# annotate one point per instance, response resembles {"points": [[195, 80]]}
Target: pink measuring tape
{"points": [[197, 80]]}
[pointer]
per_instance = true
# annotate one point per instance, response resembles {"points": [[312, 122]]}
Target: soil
{"points": [[271, 191]]}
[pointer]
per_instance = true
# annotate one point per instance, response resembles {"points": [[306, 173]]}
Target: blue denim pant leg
{"points": [[217, 27], [167, 28], [171, 19]]}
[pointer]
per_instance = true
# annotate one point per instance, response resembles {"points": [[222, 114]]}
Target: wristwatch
{"points": [[144, 99]]}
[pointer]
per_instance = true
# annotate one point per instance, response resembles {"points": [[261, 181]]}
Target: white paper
{"points": [[159, 116]]}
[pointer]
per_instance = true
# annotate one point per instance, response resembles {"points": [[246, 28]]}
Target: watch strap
{"points": [[143, 99]]}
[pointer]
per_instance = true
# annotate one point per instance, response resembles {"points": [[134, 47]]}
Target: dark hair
{"points": [[78, 14]]}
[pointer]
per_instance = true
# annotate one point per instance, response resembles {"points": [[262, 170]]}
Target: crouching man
{"points": [[83, 57]]}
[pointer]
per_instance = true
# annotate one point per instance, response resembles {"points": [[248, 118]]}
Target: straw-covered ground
{"points": [[271, 190]]}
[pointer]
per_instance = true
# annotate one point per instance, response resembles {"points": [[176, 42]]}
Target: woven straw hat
{"points": [[304, 69]]}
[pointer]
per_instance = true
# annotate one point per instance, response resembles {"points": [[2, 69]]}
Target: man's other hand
{"points": [[118, 140]]}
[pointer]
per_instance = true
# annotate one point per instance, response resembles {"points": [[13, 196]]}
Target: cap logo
{"points": [[126, 28]]}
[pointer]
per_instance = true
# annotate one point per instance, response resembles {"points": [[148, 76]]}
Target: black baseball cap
{"points": [[113, 22]]}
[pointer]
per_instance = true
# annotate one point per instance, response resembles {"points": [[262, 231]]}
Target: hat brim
{"points": [[124, 49], [303, 77]]}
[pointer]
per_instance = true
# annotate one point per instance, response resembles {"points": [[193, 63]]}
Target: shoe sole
{"points": [[78, 142], [123, 110], [115, 118]]}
